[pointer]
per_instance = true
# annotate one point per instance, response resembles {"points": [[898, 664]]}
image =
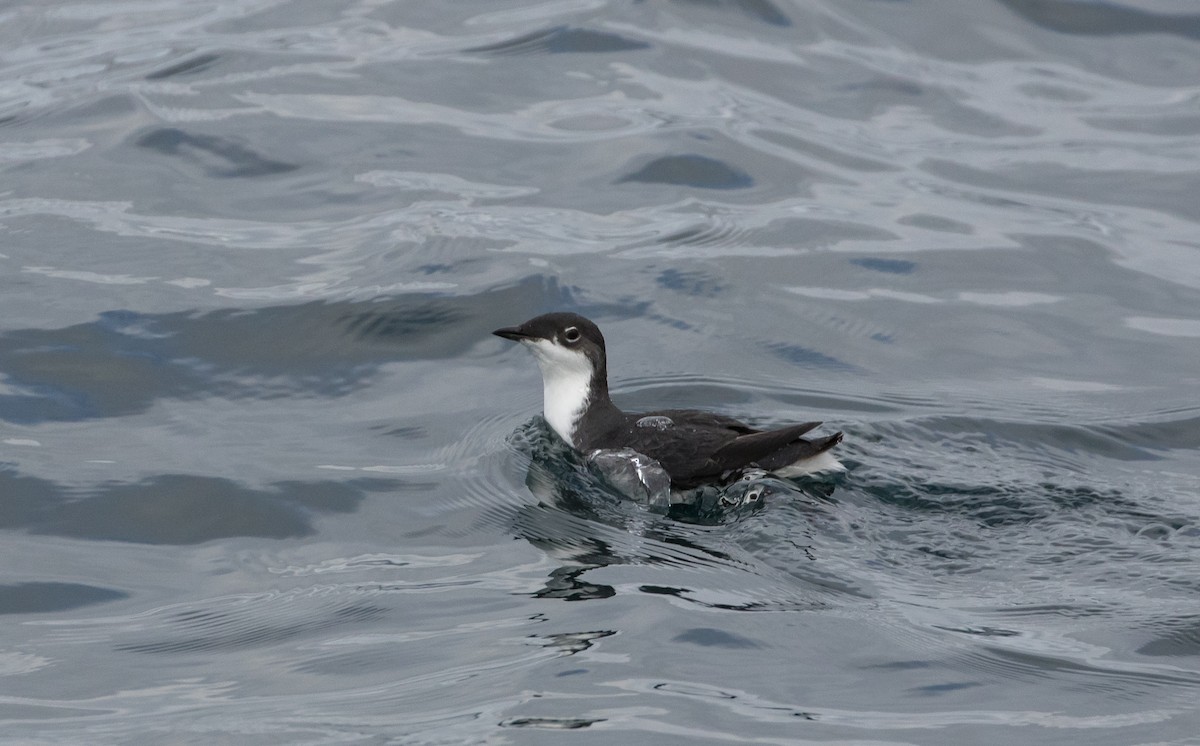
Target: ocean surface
{"points": [[266, 477]]}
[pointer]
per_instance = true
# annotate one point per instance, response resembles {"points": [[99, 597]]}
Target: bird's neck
{"points": [[570, 398]]}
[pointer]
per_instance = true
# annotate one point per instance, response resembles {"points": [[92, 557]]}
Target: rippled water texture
{"points": [[265, 476]]}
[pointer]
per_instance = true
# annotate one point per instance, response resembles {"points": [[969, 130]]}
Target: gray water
{"points": [[267, 479]]}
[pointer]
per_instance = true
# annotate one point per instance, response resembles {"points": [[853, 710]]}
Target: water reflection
{"points": [[562, 40], [237, 626], [1104, 19], [178, 509], [691, 170], [760, 10], [122, 362], [193, 66], [217, 157], [43, 597]]}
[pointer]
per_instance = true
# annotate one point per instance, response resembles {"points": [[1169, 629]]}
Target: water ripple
{"points": [[248, 240]]}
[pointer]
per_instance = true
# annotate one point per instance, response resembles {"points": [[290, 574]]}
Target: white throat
{"points": [[566, 378]]}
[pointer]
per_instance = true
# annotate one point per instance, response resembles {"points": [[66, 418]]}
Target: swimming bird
{"points": [[694, 447]]}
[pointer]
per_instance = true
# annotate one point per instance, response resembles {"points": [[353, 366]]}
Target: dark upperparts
{"points": [[695, 446]]}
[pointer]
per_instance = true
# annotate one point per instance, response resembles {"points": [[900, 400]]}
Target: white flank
{"points": [[824, 461], [566, 375]]}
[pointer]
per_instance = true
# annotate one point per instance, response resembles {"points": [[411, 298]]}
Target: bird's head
{"points": [[567, 346]]}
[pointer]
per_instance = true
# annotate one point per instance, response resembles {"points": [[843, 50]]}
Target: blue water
{"points": [[265, 476]]}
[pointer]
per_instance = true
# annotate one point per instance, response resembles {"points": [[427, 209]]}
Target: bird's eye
{"points": [[571, 334]]}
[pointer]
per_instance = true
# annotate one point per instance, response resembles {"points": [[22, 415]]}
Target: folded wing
{"points": [[759, 448]]}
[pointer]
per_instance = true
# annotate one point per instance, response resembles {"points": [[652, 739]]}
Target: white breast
{"points": [[566, 378], [563, 402]]}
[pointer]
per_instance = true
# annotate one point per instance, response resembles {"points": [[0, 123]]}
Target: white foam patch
{"points": [[21, 442], [1165, 327], [1013, 298]]}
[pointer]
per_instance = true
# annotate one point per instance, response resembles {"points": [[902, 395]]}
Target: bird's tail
{"points": [[805, 457]]}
